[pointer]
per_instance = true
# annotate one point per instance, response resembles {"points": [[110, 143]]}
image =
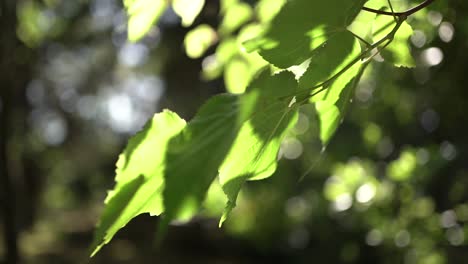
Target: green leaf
{"points": [[239, 136], [362, 25], [142, 14], [398, 52], [329, 64], [236, 75], [302, 26], [236, 15], [333, 57], [226, 4], [255, 150], [138, 182], [329, 117], [226, 50], [214, 65], [241, 68], [188, 10], [198, 40], [267, 9], [398, 5], [331, 113], [194, 156]]}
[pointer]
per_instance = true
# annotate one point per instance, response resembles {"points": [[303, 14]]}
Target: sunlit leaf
{"points": [[398, 52], [142, 14], [398, 5], [226, 4], [316, 47], [241, 68], [215, 201], [236, 75], [226, 50], [188, 10], [254, 152], [324, 66], [198, 40], [331, 114], [213, 66], [362, 26], [313, 23], [330, 59], [268, 9], [236, 15], [138, 182], [194, 156]]}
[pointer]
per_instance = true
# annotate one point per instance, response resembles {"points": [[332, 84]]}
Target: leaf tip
{"points": [[227, 211]]}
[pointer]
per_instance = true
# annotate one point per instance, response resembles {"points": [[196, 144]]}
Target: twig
{"points": [[400, 14], [391, 9]]}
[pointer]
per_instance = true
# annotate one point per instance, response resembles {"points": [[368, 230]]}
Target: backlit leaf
{"points": [[198, 40], [331, 114], [254, 152], [236, 15], [142, 14], [302, 26], [324, 66], [268, 9], [194, 156], [398, 52], [139, 182], [236, 75], [333, 57]]}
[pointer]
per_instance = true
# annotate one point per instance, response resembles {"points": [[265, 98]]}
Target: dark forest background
{"points": [[391, 187]]}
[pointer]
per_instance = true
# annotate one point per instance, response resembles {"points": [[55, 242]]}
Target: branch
{"points": [[400, 14]]}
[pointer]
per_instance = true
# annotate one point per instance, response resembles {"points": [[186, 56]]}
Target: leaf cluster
{"points": [[276, 56]]}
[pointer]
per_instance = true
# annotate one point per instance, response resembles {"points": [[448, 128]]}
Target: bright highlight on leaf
{"points": [[188, 10], [142, 14]]}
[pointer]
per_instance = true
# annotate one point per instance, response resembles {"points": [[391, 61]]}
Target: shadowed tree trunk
{"points": [[15, 68], [7, 18]]}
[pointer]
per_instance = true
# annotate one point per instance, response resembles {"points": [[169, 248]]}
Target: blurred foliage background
{"points": [[391, 187]]}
